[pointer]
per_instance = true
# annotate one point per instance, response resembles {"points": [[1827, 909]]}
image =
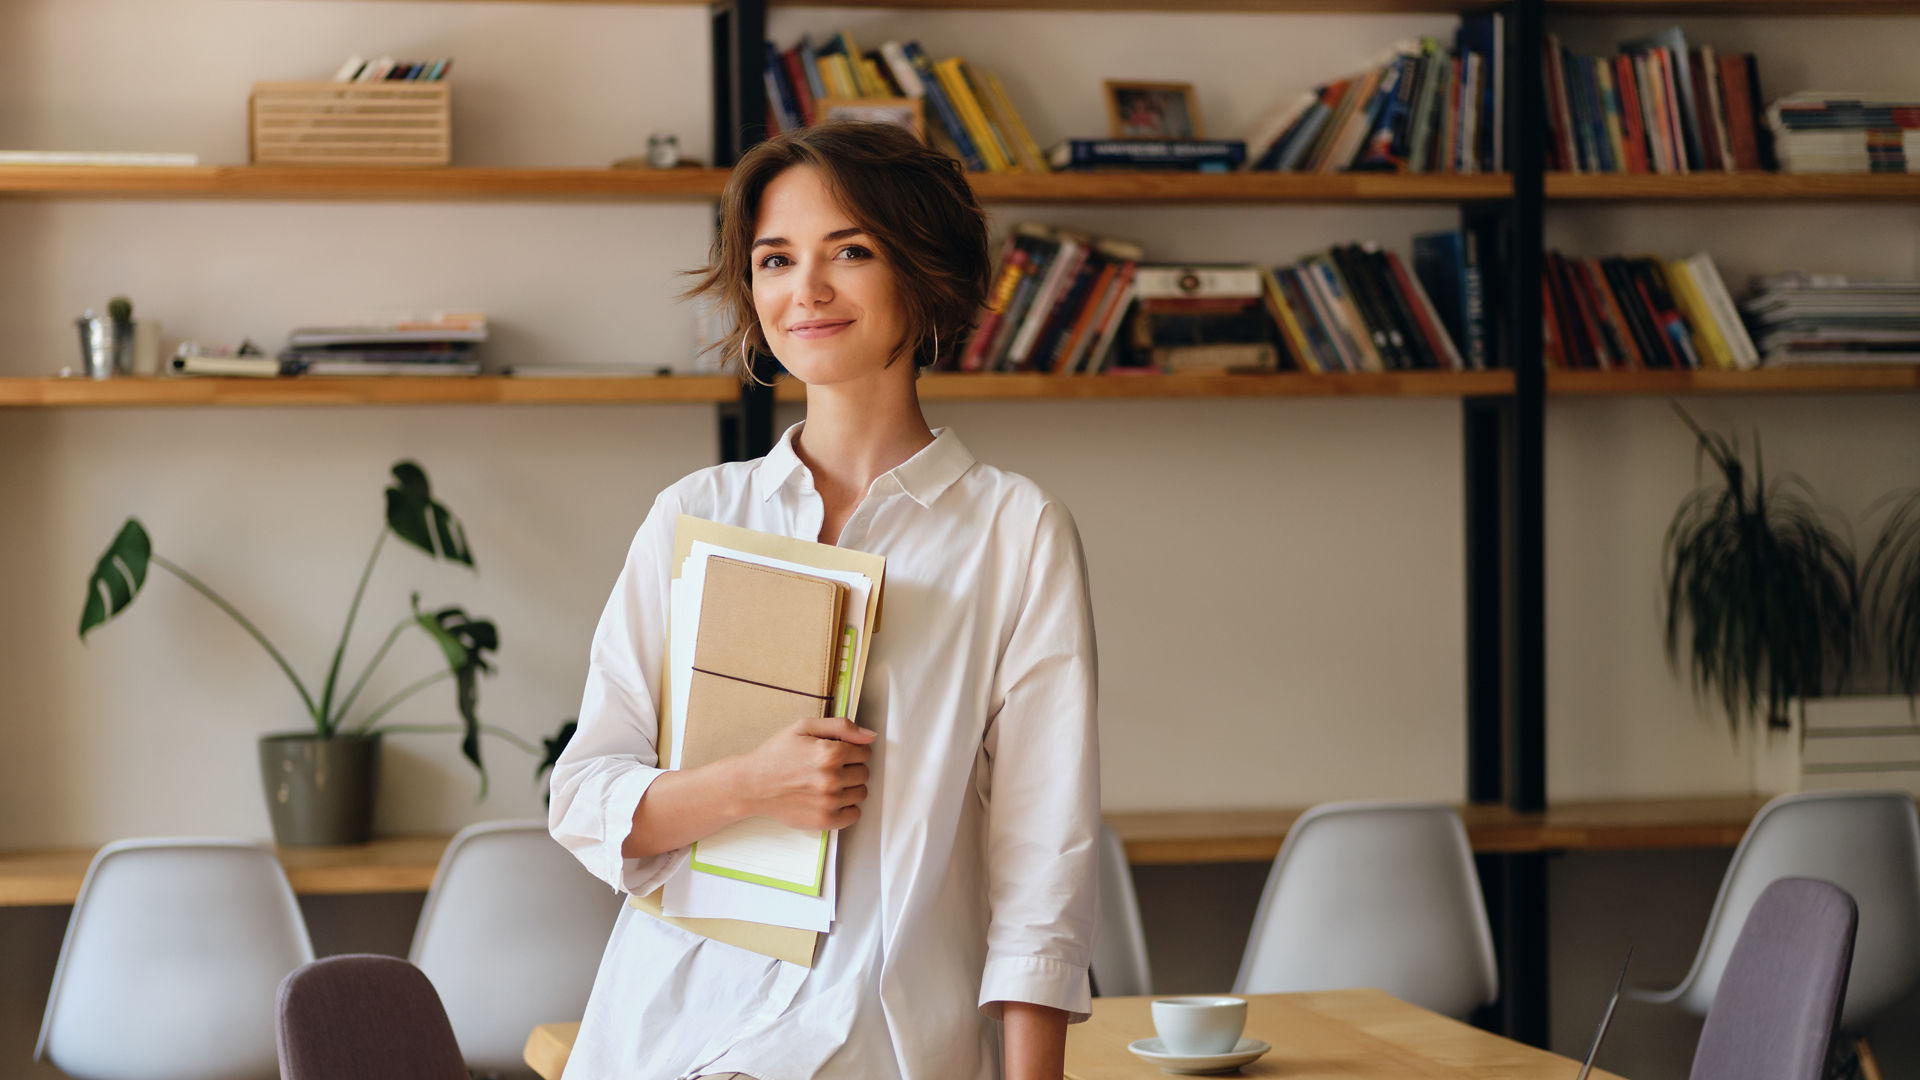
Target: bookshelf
{"points": [[705, 185], [1731, 187], [369, 390], [1786, 380]]}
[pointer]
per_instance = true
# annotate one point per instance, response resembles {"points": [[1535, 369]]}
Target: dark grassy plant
{"points": [[1892, 591], [1762, 596]]}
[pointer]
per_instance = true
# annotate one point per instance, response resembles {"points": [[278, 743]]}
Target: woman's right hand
{"points": [[813, 775]]}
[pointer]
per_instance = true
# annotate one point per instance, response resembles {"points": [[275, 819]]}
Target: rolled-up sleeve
{"points": [[613, 756], [1043, 793]]}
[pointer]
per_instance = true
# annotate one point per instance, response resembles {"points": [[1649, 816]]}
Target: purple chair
{"points": [[363, 1017], [1779, 999]]}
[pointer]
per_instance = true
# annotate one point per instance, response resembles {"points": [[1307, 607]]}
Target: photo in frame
{"points": [[900, 112], [1153, 110]]}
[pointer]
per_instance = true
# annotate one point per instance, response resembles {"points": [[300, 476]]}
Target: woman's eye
{"points": [[856, 251], [767, 263]]}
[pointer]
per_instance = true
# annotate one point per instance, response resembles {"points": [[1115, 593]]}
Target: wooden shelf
{"points": [[314, 182], [369, 390], [1758, 381], [1732, 187], [400, 864], [1732, 7], [461, 183], [407, 864], [1028, 386], [1329, 7], [1212, 836], [1238, 187]]}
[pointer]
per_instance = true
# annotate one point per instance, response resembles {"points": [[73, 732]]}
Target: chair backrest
{"points": [[1867, 843], [365, 1017], [1120, 942], [511, 936], [1380, 894], [1780, 993], [170, 962]]}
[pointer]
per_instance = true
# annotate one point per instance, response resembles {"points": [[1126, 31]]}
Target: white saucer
{"points": [[1155, 1051]]}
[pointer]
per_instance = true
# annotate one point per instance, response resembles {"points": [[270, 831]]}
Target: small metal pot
{"points": [[320, 790]]}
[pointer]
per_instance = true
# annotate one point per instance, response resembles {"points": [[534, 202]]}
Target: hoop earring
{"points": [[935, 359], [746, 362]]}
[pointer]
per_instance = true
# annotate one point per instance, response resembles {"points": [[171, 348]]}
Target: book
{"points": [[985, 140], [1212, 155], [944, 109]]}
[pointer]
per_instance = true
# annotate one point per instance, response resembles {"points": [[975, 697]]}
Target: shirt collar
{"points": [[923, 477]]}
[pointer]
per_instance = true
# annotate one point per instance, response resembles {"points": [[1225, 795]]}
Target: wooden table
{"points": [[1154, 838], [1331, 1035]]}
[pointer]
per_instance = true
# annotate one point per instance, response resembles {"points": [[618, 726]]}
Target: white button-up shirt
{"points": [[969, 879]]}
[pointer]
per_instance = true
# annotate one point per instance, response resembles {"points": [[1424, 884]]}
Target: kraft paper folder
{"points": [[780, 942], [766, 655]]}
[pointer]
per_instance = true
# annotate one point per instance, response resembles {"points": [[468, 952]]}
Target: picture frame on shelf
{"points": [[900, 112], [1153, 110]]}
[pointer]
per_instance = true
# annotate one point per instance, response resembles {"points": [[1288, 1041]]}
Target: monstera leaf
{"points": [[464, 641], [117, 577], [416, 518]]}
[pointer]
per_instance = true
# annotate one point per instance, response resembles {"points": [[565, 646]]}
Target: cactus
{"points": [[120, 309]]}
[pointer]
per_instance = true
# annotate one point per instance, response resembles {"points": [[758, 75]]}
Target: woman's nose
{"points": [[813, 287]]}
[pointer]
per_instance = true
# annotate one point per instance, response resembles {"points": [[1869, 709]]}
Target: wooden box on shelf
{"points": [[350, 123]]}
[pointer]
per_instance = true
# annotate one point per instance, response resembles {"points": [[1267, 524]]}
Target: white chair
{"points": [[1866, 842], [1375, 894], [171, 963], [511, 936], [1120, 942]]}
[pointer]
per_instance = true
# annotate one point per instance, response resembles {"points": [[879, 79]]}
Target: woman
{"points": [[970, 794]]}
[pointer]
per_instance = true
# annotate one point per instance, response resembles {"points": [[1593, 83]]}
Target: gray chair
{"points": [[364, 1017], [1120, 942], [1379, 894], [1778, 1003]]}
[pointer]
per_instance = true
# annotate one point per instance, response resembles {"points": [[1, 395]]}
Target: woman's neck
{"points": [[857, 431]]}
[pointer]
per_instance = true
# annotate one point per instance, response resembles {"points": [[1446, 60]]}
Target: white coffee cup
{"points": [[1200, 1025]]}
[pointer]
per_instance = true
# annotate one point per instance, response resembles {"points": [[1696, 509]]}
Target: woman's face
{"points": [[823, 292]]}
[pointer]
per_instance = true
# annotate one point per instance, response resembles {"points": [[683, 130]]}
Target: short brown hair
{"points": [[913, 201]]}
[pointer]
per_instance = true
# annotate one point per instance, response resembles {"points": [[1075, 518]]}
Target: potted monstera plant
{"points": [[320, 781]]}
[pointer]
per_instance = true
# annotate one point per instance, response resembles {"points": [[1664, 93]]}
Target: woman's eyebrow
{"points": [[837, 234]]}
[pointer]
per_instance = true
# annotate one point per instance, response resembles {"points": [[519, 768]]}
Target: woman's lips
{"points": [[811, 331]]}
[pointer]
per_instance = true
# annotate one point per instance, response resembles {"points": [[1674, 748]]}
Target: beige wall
{"points": [[1277, 581]]}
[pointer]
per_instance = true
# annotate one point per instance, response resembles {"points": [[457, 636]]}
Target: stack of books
{"points": [[1641, 313], [1356, 307], [1420, 109], [387, 69], [966, 111], [1058, 300], [1824, 319], [1066, 302], [1658, 106], [1846, 133], [441, 344]]}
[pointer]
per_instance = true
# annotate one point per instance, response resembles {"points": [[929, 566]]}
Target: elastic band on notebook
{"points": [[770, 686]]}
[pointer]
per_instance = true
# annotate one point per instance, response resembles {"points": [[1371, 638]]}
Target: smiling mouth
{"points": [[819, 328]]}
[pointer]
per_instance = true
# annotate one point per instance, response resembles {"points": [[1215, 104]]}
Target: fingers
{"points": [[853, 774], [835, 727]]}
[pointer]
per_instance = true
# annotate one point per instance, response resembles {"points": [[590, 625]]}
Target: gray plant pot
{"points": [[319, 791]]}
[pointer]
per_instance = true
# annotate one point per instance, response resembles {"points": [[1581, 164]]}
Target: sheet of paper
{"points": [[695, 894]]}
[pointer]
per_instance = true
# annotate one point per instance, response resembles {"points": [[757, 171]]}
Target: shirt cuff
{"points": [[1036, 980], [635, 876]]}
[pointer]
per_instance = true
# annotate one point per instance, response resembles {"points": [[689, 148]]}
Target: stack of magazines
{"points": [[1846, 133], [441, 344], [1827, 319]]}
